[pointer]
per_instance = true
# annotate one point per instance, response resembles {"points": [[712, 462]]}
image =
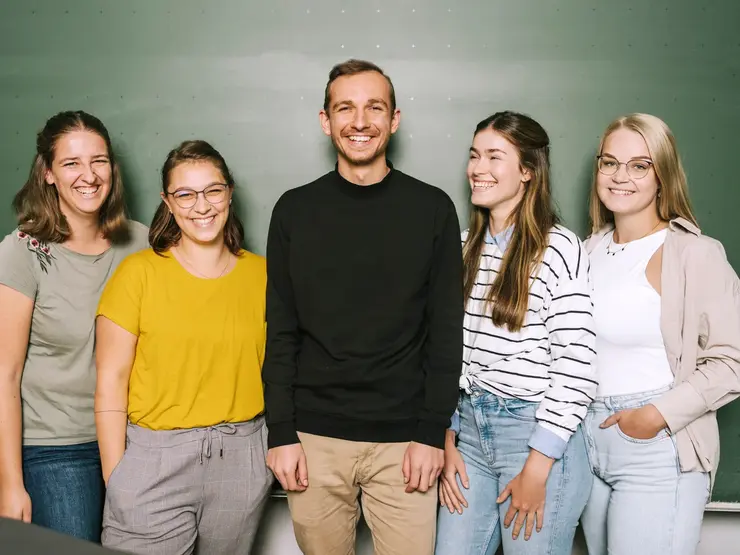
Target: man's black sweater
{"points": [[364, 312]]}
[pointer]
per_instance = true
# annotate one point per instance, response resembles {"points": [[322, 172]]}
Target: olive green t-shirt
{"points": [[58, 382]]}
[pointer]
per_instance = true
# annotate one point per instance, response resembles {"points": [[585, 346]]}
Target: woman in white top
{"points": [[515, 447], [667, 315]]}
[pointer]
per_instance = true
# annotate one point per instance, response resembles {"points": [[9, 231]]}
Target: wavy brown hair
{"points": [[164, 233], [674, 200], [37, 203], [533, 218]]}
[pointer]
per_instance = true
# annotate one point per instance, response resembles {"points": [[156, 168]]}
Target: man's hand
{"points": [[642, 423], [422, 465], [288, 464]]}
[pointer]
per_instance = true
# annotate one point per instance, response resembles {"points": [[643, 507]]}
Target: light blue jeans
{"points": [[493, 443], [641, 502]]}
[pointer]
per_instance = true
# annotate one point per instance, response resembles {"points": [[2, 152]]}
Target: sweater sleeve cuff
{"points": [[548, 443], [431, 433], [282, 433], [455, 422]]}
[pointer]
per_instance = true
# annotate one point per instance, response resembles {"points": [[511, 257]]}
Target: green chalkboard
{"points": [[249, 77]]}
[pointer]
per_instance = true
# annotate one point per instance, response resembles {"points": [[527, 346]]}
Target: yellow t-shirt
{"points": [[201, 342]]}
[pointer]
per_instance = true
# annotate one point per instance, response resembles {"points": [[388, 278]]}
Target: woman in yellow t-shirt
{"points": [[179, 402]]}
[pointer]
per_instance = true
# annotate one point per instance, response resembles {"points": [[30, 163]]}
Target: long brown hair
{"points": [[533, 218], [37, 203], [674, 200], [164, 232]]}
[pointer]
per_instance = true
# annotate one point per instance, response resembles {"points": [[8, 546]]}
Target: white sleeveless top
{"points": [[630, 354]]}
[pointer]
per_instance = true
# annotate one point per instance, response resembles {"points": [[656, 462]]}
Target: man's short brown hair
{"points": [[353, 67]]}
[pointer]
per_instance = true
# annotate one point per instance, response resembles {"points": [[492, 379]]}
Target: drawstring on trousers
{"points": [[220, 430]]}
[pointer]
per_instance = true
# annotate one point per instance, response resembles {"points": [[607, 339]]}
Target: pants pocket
{"points": [[521, 410], [133, 474], [660, 436], [116, 470], [263, 432]]}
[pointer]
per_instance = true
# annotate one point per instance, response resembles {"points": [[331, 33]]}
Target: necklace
{"points": [[192, 267], [610, 252]]}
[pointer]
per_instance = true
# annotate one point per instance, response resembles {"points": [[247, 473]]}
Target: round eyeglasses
{"points": [[214, 194], [636, 169]]}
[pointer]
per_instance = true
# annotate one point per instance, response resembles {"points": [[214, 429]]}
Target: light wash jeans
{"points": [[493, 443], [641, 502]]}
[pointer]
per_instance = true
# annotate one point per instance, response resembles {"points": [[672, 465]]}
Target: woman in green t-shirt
{"points": [[72, 233]]}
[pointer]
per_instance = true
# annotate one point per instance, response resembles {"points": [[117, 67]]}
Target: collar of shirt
{"points": [[501, 239]]}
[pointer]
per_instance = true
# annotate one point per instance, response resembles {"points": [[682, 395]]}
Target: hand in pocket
{"points": [[643, 423]]}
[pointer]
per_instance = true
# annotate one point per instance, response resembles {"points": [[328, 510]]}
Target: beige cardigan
{"points": [[700, 324]]}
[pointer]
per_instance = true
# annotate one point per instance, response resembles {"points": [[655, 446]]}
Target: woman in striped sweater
{"points": [[527, 379]]}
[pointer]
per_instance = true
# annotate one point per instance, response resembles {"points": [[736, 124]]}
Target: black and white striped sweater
{"points": [[551, 359]]}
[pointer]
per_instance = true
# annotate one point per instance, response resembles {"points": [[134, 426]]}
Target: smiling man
{"points": [[364, 324]]}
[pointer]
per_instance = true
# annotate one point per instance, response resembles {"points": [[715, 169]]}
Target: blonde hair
{"points": [[673, 200]]}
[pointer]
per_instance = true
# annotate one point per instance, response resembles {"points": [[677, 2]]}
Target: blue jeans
{"points": [[641, 502], [493, 443], [65, 483]]}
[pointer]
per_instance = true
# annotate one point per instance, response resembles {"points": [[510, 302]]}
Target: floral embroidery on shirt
{"points": [[41, 250]]}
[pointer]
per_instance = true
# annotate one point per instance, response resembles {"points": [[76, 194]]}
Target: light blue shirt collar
{"points": [[501, 239]]}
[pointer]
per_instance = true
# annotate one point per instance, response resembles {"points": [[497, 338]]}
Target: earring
{"points": [[230, 200]]}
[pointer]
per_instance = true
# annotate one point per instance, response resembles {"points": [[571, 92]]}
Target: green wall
{"points": [[249, 77]]}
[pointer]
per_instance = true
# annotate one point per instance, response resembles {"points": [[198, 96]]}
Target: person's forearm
{"points": [[111, 428], [279, 369], [538, 463], [111, 418], [443, 350], [11, 459], [283, 339], [278, 376]]}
